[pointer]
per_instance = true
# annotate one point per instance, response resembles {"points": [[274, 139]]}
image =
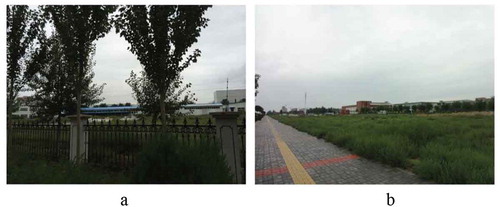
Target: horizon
{"points": [[354, 103]]}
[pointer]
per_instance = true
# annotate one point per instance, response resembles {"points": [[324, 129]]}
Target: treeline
{"points": [[457, 106], [441, 107], [322, 110], [107, 105], [316, 110]]}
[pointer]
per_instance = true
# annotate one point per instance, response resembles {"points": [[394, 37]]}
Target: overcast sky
{"points": [[341, 54], [222, 46]]}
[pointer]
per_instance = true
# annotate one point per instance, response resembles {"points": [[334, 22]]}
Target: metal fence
{"points": [[42, 140], [114, 145], [242, 134]]}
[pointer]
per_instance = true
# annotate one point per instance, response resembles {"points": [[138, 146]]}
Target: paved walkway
{"points": [[284, 155]]}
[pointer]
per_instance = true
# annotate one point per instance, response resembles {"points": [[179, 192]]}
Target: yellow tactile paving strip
{"points": [[296, 170]]}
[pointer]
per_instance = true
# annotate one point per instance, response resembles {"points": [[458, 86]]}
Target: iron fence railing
{"points": [[109, 144], [242, 134], [116, 145], [42, 140]]}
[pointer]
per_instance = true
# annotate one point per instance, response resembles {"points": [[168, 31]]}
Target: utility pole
{"points": [[305, 104], [227, 94]]}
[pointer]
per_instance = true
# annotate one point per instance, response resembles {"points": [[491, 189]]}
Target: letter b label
{"points": [[390, 200]]}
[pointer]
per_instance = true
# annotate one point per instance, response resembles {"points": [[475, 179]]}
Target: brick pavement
{"points": [[324, 162]]}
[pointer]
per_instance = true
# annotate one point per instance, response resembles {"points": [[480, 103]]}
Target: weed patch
{"points": [[445, 149]]}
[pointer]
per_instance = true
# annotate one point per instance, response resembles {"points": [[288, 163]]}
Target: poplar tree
{"points": [[23, 27], [147, 95], [53, 85], [160, 36], [79, 26]]}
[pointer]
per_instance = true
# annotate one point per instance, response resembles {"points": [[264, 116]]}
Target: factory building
{"points": [[111, 110], [233, 95], [236, 99], [355, 109]]}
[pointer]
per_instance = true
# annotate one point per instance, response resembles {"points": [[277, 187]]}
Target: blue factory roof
{"points": [[110, 108]]}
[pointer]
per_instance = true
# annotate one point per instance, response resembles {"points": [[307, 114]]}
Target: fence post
{"points": [[73, 151], [227, 132]]}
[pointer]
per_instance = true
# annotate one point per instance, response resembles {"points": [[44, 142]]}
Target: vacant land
{"points": [[445, 149]]}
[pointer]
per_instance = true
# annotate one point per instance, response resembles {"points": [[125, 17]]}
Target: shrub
{"points": [[167, 160], [258, 116]]}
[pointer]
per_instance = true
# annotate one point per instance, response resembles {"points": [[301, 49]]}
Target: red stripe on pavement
{"points": [[272, 171], [329, 161]]}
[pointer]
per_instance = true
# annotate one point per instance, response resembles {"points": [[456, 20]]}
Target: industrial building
{"points": [[411, 106], [284, 109], [110, 110], [233, 95], [207, 108], [355, 109], [236, 99], [24, 109]]}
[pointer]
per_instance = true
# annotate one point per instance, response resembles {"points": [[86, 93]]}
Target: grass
{"points": [[445, 149], [24, 169], [167, 160], [164, 159]]}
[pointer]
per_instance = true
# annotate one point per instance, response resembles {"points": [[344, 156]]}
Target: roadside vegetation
{"points": [[443, 148], [163, 160], [169, 161], [26, 169]]}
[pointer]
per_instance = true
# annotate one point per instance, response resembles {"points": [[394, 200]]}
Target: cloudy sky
{"points": [[341, 54], [222, 46]]}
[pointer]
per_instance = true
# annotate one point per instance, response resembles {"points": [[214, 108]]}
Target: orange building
{"points": [[355, 109]]}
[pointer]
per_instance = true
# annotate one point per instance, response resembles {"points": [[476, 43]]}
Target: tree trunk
{"points": [[154, 118], [58, 136], [162, 111], [10, 102], [78, 104]]}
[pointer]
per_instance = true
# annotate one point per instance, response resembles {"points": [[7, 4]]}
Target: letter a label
{"points": [[124, 201]]}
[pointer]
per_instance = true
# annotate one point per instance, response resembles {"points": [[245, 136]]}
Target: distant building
{"points": [[421, 106], [24, 109], [284, 109], [237, 102], [355, 109], [110, 110], [207, 108], [349, 109], [233, 95], [201, 109]]}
